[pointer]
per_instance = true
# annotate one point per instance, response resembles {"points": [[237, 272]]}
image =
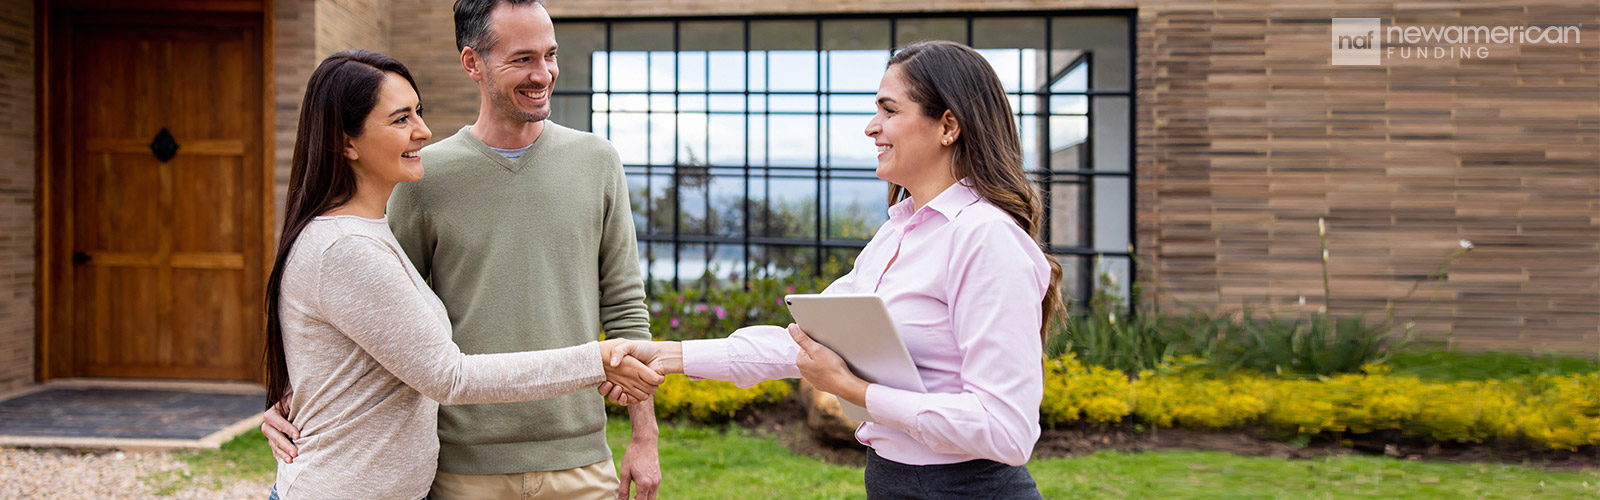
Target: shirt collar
{"points": [[949, 203]]}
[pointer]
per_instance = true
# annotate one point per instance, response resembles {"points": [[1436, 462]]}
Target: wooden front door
{"points": [[160, 184]]}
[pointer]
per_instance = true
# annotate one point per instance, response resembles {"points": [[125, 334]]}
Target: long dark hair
{"points": [[948, 76], [342, 92]]}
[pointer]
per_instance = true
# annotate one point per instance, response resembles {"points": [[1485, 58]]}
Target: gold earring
{"points": [[946, 141]]}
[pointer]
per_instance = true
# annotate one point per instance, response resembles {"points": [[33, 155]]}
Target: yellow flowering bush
{"points": [[1562, 412], [1073, 391], [712, 400], [1555, 411]]}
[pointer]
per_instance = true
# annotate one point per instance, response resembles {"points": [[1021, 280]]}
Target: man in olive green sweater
{"points": [[524, 230]]}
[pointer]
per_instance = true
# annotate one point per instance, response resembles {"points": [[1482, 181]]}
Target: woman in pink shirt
{"points": [[960, 268]]}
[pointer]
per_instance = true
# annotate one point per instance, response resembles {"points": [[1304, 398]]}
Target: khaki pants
{"points": [[597, 481]]}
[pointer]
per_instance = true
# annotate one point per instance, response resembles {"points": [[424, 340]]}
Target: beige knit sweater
{"points": [[369, 354]]}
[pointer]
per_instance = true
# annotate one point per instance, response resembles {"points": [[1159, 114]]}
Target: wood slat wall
{"points": [[17, 140]]}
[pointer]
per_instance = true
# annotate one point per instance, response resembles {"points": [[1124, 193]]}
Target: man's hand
{"points": [[826, 370], [279, 432], [641, 464], [630, 375]]}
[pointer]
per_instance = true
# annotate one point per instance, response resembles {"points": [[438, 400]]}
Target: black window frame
{"points": [[1047, 177]]}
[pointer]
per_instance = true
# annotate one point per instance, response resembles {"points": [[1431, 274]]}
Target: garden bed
{"points": [[785, 423]]}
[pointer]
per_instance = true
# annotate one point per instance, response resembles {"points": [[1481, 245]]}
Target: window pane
{"points": [[662, 133], [692, 71], [1067, 211], [780, 261], [848, 146], [703, 35], [579, 43], [1008, 32], [789, 210], [727, 204], [792, 71], [792, 140], [1067, 142], [855, 34], [1110, 133], [727, 139], [855, 208], [1105, 37], [856, 70], [727, 70], [629, 71], [629, 137], [1111, 214], [783, 35], [641, 36], [908, 31]]}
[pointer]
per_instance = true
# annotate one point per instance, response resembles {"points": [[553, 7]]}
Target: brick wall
{"points": [[1247, 135], [451, 98], [352, 24], [304, 33], [17, 136]]}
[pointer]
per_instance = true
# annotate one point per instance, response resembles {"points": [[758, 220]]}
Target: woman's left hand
{"points": [[826, 370]]}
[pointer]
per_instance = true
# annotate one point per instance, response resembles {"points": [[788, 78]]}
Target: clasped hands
{"points": [[817, 363], [631, 378]]}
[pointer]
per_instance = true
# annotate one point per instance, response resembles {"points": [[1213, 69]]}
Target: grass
{"points": [[1209, 475], [1451, 366], [731, 462], [245, 457]]}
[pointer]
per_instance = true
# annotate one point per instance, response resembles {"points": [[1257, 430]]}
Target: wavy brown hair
{"points": [[948, 76]]}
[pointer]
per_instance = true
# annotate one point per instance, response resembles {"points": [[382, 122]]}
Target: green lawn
{"points": [[705, 463], [699, 463], [1452, 366]]}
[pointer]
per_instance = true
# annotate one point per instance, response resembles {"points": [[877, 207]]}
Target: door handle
{"points": [[81, 258]]}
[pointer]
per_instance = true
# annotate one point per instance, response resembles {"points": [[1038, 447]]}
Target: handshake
{"points": [[635, 368]]}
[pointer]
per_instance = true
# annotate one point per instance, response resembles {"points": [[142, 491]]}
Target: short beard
{"points": [[505, 105]]}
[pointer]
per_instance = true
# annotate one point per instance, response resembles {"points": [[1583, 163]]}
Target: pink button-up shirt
{"points": [[965, 295]]}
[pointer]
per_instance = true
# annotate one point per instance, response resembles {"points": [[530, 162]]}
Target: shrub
{"points": [[1554, 411], [1073, 391], [710, 401]]}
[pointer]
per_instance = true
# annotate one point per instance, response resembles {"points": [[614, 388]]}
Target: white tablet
{"points": [[858, 327]]}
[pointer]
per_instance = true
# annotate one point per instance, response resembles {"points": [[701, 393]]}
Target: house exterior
{"points": [[1210, 136]]}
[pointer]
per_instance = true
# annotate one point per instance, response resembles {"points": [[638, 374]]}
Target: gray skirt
{"points": [[969, 480]]}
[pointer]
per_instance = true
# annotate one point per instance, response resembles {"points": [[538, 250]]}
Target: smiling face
{"points": [[909, 142], [391, 137], [520, 69]]}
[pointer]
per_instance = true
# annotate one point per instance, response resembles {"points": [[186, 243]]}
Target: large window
{"points": [[743, 138]]}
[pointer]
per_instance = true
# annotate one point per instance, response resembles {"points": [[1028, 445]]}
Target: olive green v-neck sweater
{"points": [[537, 253]]}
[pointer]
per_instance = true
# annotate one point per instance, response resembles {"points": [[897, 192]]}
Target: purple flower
{"points": [[722, 313], [791, 288], [674, 322], [700, 309]]}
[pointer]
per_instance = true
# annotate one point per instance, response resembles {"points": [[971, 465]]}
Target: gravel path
{"points": [[67, 474]]}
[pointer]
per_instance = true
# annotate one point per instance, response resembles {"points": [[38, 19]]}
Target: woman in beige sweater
{"points": [[352, 328]]}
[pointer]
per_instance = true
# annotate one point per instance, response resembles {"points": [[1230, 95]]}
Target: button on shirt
{"points": [[964, 293]]}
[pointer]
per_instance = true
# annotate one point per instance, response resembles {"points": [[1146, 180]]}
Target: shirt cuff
{"points": [[894, 407], [707, 358]]}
